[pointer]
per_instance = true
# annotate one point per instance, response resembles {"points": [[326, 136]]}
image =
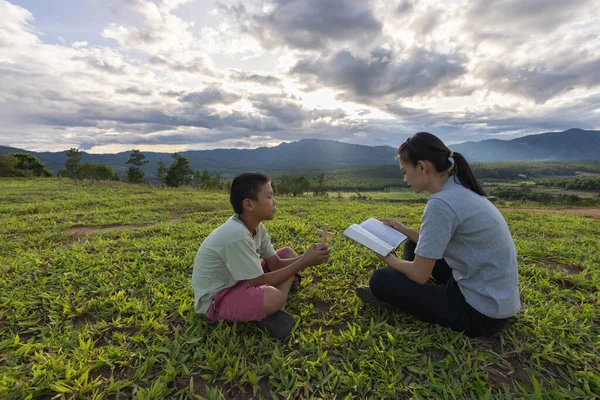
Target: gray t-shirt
{"points": [[469, 232], [228, 255]]}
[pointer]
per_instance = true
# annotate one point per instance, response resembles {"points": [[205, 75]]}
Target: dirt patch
{"points": [[586, 212], [434, 353], [334, 329], [564, 268], [508, 372], [322, 306]]}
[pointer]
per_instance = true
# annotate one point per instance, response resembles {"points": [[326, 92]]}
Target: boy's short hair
{"points": [[246, 186]]}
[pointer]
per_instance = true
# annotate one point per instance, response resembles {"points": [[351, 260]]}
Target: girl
{"points": [[460, 269]]}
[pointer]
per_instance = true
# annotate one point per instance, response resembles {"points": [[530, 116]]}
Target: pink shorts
{"points": [[241, 302]]}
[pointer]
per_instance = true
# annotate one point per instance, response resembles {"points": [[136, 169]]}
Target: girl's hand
{"points": [[393, 222], [389, 260]]}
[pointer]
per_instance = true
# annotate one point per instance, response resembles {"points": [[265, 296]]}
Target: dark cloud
{"points": [[384, 73], [283, 110], [210, 95], [308, 24]]}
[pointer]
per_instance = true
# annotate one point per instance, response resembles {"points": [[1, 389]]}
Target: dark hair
{"points": [[425, 146], [246, 186]]}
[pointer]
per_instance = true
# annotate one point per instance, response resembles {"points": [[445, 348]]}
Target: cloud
{"points": [[377, 70], [308, 24], [135, 90], [194, 66], [211, 95], [160, 31], [540, 83], [284, 110], [383, 74], [517, 19], [266, 80]]}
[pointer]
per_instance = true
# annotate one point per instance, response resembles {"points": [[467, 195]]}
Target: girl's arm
{"points": [[417, 271]]}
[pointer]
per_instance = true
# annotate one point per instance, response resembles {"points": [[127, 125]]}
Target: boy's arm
{"points": [[274, 262], [314, 255], [281, 275]]}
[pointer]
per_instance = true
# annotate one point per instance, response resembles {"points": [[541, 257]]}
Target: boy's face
{"points": [[264, 208]]}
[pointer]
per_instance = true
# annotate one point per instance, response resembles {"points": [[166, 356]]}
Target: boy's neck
{"points": [[250, 222]]}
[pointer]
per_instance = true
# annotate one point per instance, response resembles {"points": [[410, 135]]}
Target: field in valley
{"points": [[96, 302]]}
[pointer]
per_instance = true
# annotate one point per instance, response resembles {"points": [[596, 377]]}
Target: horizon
{"points": [[185, 75], [254, 148]]}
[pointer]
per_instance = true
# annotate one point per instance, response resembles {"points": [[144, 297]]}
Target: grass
{"points": [[109, 314]]}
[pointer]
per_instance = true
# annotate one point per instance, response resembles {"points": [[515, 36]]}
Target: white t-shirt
{"points": [[228, 255]]}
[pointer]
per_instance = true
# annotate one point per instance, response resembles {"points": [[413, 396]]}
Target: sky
{"points": [[174, 75]]}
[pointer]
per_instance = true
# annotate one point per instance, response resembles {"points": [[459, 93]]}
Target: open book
{"points": [[375, 235]]}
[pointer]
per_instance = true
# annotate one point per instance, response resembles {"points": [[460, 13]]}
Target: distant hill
{"points": [[316, 154], [573, 144]]}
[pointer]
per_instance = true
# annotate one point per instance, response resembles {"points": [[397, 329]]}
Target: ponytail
{"points": [[425, 146], [462, 171]]}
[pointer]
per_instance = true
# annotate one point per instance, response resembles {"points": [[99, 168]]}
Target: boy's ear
{"points": [[247, 204]]}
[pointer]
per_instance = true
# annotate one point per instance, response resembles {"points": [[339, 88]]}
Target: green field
{"points": [[96, 302]]}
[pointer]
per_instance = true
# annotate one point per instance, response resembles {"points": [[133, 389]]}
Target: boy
{"points": [[228, 279]]}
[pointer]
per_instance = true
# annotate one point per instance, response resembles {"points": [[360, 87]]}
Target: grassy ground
{"points": [[108, 314]]}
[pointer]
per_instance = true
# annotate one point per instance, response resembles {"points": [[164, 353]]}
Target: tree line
{"points": [[178, 173]]}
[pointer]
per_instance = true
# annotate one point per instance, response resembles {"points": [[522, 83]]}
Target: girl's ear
{"points": [[421, 166]]}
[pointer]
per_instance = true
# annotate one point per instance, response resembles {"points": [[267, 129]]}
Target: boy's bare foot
{"points": [[364, 293], [278, 324]]}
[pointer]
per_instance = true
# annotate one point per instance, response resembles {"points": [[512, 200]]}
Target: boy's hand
{"points": [[316, 254], [393, 222]]}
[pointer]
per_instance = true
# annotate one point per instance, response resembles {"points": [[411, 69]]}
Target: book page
{"points": [[355, 232], [385, 233]]}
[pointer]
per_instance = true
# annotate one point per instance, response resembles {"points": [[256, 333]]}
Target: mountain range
{"points": [[573, 144]]}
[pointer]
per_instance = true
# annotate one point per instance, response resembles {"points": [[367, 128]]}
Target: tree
{"points": [[31, 165], [72, 163], [294, 185], [180, 172], [135, 173], [8, 165], [161, 172], [21, 164], [96, 172], [204, 180], [320, 187]]}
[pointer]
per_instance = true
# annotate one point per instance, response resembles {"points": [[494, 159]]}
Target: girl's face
{"points": [[414, 176]]}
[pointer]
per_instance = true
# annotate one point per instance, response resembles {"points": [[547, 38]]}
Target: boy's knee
{"points": [[289, 253], [273, 300]]}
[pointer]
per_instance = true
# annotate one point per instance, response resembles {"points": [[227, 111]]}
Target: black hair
{"points": [[425, 146], [246, 186]]}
